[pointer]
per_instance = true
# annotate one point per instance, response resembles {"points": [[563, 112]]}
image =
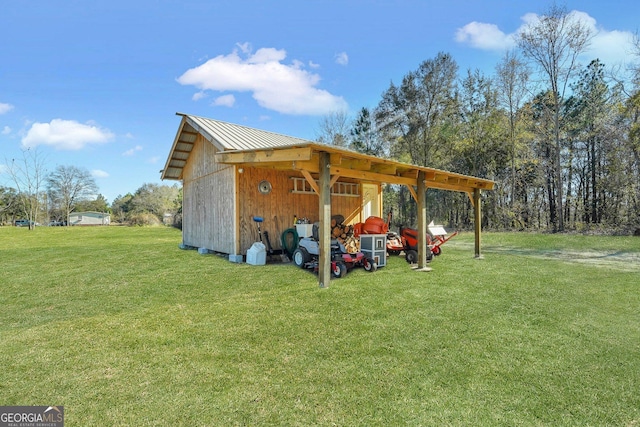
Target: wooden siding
{"points": [[280, 205], [208, 200], [212, 204]]}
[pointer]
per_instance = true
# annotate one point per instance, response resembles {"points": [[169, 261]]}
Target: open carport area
{"points": [[232, 173]]}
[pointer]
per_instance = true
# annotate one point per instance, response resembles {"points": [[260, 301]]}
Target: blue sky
{"points": [[96, 84]]}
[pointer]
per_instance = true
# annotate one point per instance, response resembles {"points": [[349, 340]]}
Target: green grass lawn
{"points": [[123, 328]]}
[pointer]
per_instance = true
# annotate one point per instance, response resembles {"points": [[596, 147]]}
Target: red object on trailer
{"points": [[436, 237], [375, 225], [407, 239], [357, 229]]}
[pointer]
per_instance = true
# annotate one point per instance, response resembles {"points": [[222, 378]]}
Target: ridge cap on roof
{"points": [[249, 127]]}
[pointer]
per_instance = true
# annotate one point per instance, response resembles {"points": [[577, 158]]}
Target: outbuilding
{"points": [[232, 173], [89, 218]]}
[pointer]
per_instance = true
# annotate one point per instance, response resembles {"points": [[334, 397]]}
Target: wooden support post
{"points": [[422, 220], [324, 185], [478, 220]]}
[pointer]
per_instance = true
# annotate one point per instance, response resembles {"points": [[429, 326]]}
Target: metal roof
{"points": [[224, 136], [229, 136]]}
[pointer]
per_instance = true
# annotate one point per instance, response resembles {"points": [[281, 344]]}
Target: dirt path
{"points": [[620, 260]]}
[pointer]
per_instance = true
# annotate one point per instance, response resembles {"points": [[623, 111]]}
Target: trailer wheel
{"points": [[369, 264], [411, 256], [339, 269], [430, 254], [301, 257], [436, 250]]}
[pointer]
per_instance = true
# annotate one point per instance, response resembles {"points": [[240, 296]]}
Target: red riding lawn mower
{"points": [[342, 261]]}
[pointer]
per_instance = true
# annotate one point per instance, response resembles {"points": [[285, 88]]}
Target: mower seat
{"points": [[410, 232]]}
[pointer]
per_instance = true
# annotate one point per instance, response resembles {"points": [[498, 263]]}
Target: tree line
{"points": [[49, 198], [561, 139]]}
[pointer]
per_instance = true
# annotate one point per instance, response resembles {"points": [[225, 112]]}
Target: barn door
{"points": [[370, 201]]}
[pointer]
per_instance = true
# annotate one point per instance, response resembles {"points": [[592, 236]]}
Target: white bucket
{"points": [[257, 254]]}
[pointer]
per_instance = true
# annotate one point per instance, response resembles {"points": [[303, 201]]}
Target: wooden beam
{"points": [[308, 165], [384, 168], [440, 177], [413, 192], [237, 197], [334, 179], [324, 211], [477, 220], [312, 182], [449, 187], [335, 159], [353, 214], [412, 173], [263, 156], [371, 176], [358, 164], [422, 221], [183, 151]]}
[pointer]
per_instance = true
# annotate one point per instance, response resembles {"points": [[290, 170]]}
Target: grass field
{"points": [[123, 328]]}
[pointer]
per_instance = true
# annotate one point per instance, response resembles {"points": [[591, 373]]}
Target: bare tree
{"points": [[554, 43], [635, 68], [334, 129], [68, 185], [512, 77], [28, 176]]}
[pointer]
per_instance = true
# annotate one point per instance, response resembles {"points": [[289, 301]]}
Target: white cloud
{"points": [[268, 55], [5, 108], [342, 58], [286, 88], [97, 173], [65, 135], [132, 151], [199, 95], [225, 101], [6, 130], [153, 160], [484, 36], [611, 47]]}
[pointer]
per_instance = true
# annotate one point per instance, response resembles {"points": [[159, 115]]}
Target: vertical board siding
{"points": [[210, 205], [208, 200], [280, 205]]}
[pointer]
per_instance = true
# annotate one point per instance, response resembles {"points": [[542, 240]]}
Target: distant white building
{"points": [[89, 218]]}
